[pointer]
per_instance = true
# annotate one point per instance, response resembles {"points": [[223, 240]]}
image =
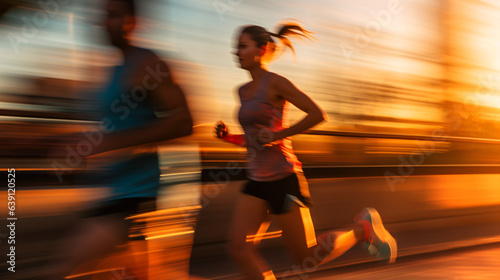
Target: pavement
{"points": [[477, 262]]}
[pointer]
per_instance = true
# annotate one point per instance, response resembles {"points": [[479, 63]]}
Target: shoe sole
{"points": [[382, 234]]}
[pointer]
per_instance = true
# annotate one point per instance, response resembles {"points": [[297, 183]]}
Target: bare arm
{"points": [[167, 99], [292, 94], [237, 139], [222, 132]]}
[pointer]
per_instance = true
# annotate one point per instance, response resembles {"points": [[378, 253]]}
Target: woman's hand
{"points": [[221, 129], [222, 132]]}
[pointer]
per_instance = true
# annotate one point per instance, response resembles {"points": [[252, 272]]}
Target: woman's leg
{"points": [[250, 213], [309, 251]]}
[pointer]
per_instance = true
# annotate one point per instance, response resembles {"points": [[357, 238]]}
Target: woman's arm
{"points": [[237, 139], [222, 132], [292, 94]]}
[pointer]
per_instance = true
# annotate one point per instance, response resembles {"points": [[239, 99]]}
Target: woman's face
{"points": [[249, 55]]}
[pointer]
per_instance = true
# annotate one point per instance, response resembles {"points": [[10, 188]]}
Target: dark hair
{"points": [[262, 37], [130, 6]]}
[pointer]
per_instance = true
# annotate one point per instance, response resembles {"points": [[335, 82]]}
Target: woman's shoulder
{"points": [[241, 88], [243, 85], [276, 80]]}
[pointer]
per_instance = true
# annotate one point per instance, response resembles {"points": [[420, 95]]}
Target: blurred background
{"points": [[411, 88]]}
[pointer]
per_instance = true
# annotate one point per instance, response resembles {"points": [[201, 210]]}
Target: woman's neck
{"points": [[257, 73]]}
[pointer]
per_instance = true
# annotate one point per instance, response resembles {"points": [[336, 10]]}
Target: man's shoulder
{"points": [[146, 61], [143, 54]]}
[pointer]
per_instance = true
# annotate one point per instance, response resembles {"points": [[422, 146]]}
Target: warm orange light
{"points": [[267, 235], [93, 272], [170, 234], [269, 275], [308, 227]]}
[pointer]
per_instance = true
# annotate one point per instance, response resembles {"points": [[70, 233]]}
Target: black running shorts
{"points": [[280, 194]]}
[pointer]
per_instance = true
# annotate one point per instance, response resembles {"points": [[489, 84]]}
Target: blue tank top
{"points": [[270, 162], [138, 176]]}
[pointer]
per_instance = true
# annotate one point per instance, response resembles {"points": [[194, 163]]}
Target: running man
{"points": [[140, 105]]}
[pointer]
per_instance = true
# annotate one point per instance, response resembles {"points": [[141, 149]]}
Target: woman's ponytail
{"points": [[292, 30], [264, 38]]}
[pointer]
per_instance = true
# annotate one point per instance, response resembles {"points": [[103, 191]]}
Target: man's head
{"points": [[120, 21]]}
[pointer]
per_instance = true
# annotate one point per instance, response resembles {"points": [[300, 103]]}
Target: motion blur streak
{"points": [[426, 74]]}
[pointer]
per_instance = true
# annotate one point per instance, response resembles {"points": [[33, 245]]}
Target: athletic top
{"points": [[138, 176], [270, 162]]}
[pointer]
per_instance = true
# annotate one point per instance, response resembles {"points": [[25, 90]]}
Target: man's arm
{"points": [[168, 101]]}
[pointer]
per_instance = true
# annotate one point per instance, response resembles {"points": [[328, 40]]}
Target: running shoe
{"points": [[378, 241]]}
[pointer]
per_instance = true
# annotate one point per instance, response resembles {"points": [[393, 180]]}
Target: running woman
{"points": [[276, 184]]}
